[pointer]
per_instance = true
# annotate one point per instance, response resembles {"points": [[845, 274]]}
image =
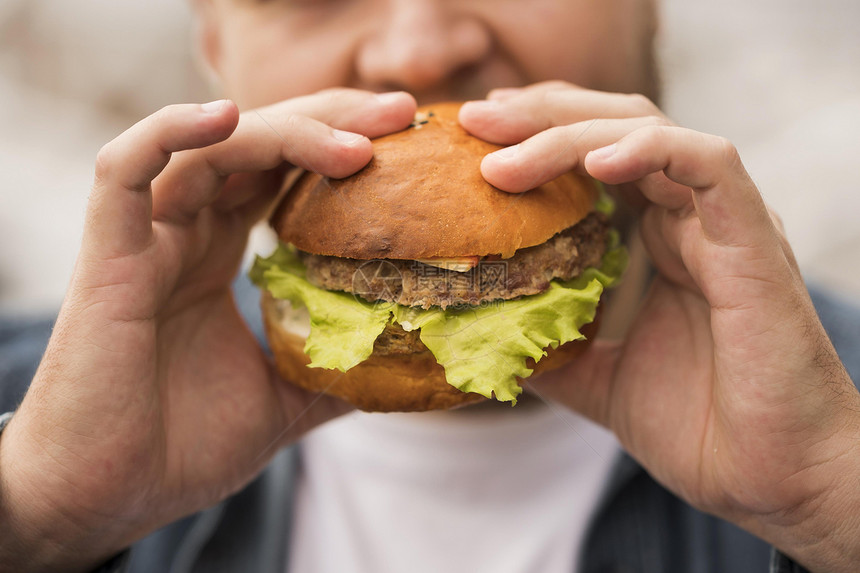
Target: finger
{"points": [[197, 180], [285, 132], [725, 236], [506, 93], [118, 220], [662, 232], [660, 225], [501, 94], [555, 151], [370, 114], [264, 142], [271, 135], [725, 199], [512, 118], [783, 240], [251, 195], [548, 85]]}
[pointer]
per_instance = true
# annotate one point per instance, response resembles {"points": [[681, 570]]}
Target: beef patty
{"points": [[412, 283]]}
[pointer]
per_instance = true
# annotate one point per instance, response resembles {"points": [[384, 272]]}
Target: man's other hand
{"points": [[153, 399], [726, 387]]}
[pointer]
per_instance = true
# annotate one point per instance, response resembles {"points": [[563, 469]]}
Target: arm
{"points": [[139, 412], [726, 387]]}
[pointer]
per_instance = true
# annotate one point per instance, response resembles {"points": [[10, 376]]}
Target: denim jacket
{"points": [[639, 526]]}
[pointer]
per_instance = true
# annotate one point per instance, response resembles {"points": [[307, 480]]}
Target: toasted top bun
{"points": [[422, 196]]}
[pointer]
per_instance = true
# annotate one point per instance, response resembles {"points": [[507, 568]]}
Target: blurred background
{"points": [[780, 78]]}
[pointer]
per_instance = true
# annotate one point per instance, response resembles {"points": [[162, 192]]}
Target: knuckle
{"points": [[288, 127], [292, 123], [169, 110], [654, 132], [777, 221], [555, 85], [658, 120], [566, 132], [568, 136], [105, 159], [330, 99], [337, 94], [337, 102], [642, 104], [167, 114], [727, 151], [331, 91]]}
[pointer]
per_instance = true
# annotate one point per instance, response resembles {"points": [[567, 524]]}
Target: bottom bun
{"points": [[383, 383]]}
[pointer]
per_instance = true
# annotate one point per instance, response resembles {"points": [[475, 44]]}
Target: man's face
{"points": [[265, 51]]}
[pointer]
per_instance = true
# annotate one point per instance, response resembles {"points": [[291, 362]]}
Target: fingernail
{"points": [[346, 137], [388, 97], [605, 152], [213, 106], [507, 152]]}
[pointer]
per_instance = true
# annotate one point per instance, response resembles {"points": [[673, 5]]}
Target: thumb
{"points": [[584, 384]]}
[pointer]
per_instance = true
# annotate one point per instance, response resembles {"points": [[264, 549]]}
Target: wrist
{"points": [[823, 533], [36, 532]]}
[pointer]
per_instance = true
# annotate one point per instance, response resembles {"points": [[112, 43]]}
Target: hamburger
{"points": [[416, 285]]}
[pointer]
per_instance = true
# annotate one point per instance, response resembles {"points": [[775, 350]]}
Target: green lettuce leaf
{"points": [[483, 349], [343, 327], [605, 203]]}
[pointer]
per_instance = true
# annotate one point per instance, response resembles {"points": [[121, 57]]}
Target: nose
{"points": [[420, 43]]}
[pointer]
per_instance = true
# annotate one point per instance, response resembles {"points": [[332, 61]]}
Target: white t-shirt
{"points": [[501, 490]]}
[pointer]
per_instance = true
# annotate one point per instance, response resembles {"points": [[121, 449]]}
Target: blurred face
{"points": [[264, 51]]}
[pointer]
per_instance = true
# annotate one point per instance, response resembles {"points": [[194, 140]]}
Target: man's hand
{"points": [[726, 387], [153, 399]]}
